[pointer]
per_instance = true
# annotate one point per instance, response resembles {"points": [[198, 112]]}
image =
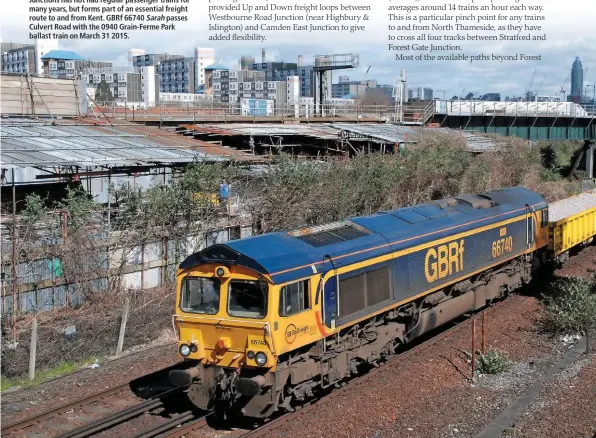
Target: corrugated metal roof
{"points": [[376, 132], [265, 129], [386, 133], [30, 143], [476, 142]]}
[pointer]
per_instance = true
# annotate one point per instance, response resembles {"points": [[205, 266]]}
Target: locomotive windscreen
{"points": [[247, 299], [200, 295]]}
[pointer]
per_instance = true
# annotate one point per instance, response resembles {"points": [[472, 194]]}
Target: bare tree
{"points": [[374, 97]]}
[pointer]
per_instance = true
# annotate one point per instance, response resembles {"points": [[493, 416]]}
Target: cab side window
{"points": [[544, 218], [294, 298]]}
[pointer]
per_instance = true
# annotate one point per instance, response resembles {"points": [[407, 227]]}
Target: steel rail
{"points": [[164, 429], [37, 419], [120, 417], [43, 417]]}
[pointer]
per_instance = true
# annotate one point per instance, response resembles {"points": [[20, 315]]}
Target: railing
{"points": [[215, 110], [416, 114], [511, 109]]}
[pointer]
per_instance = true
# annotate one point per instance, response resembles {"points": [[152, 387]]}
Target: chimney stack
{"points": [[300, 60]]}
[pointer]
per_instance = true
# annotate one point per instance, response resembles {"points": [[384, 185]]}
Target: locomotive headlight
{"points": [[250, 355], [184, 350], [220, 272], [261, 359], [194, 348]]}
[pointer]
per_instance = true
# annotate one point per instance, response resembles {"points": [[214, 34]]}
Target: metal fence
{"points": [[416, 113], [49, 280]]}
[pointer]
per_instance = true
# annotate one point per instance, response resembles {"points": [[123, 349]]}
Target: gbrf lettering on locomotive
{"points": [[444, 260]]}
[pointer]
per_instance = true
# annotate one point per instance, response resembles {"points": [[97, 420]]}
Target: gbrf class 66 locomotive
{"points": [[269, 321]]}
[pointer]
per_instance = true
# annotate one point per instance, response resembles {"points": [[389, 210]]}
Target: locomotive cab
{"points": [[222, 319], [228, 325]]}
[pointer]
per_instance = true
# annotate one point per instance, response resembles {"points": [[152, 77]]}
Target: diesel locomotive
{"points": [[270, 321]]}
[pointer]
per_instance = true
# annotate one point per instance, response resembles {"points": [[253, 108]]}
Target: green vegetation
{"points": [[558, 156], [294, 192], [493, 362], [60, 369], [572, 307]]}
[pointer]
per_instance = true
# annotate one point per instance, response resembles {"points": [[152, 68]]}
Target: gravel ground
{"points": [[581, 265], [569, 206], [22, 404], [429, 394], [567, 408]]}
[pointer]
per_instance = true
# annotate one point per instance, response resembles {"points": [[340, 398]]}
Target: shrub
{"points": [[558, 156], [493, 362], [572, 307]]}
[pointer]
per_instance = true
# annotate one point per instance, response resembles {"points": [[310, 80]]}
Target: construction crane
{"points": [[529, 89], [540, 86], [563, 91], [366, 74]]}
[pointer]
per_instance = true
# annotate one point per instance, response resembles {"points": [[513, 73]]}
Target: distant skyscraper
{"points": [[577, 80]]}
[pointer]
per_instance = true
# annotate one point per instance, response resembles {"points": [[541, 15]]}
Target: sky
{"points": [[569, 27]]}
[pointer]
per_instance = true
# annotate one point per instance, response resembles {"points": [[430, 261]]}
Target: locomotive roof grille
{"points": [[478, 201], [330, 233]]}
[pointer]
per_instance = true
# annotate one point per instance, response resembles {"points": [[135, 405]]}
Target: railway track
{"points": [[109, 397], [180, 424], [23, 425], [187, 421], [412, 351], [118, 418]]}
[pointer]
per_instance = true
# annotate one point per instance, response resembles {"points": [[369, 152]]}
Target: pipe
{"points": [[14, 258]]}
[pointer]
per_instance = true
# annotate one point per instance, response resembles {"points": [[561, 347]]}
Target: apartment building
{"points": [[177, 75], [356, 89], [141, 86], [189, 98], [203, 58], [19, 60], [281, 71], [420, 93], [152, 59], [67, 64]]}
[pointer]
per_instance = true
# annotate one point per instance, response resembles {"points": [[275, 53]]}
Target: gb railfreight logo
{"points": [[444, 260], [292, 332]]}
